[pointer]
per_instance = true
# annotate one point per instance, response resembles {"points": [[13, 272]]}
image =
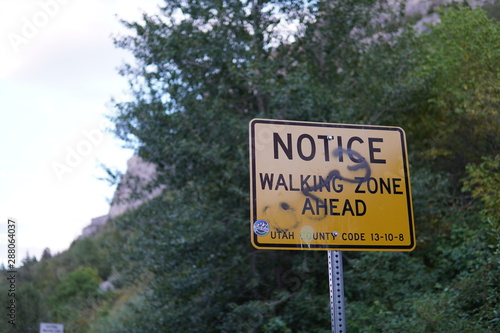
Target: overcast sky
{"points": [[58, 72]]}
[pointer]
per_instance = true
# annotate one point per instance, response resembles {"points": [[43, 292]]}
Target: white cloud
{"points": [[55, 86]]}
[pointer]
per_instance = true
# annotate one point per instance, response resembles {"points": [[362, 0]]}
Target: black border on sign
{"points": [[271, 246]]}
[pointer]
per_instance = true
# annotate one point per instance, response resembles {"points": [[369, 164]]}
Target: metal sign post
{"points": [[336, 278], [333, 187]]}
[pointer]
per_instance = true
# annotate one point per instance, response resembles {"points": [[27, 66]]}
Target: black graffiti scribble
{"points": [[362, 164], [285, 207]]}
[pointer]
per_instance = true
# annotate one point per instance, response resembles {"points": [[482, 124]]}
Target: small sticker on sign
{"points": [[261, 228]]}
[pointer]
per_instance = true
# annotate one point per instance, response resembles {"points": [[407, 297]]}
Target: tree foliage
{"points": [[459, 65], [61, 288]]}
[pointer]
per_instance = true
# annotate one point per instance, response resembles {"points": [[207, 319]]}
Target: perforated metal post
{"points": [[336, 277]]}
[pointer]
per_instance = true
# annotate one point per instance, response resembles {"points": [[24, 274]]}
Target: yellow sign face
{"points": [[319, 186]]}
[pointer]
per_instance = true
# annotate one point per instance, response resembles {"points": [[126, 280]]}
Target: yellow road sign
{"points": [[321, 186]]}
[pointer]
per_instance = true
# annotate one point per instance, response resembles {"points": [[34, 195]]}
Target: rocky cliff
{"points": [[134, 189]]}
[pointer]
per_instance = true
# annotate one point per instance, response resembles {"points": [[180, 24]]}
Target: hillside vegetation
{"points": [[183, 262]]}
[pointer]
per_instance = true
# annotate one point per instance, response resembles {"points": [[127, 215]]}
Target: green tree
{"points": [[483, 182], [79, 284], [46, 254], [204, 69], [74, 298], [460, 69]]}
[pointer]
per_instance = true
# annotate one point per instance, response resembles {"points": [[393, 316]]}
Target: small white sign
{"points": [[51, 328]]}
